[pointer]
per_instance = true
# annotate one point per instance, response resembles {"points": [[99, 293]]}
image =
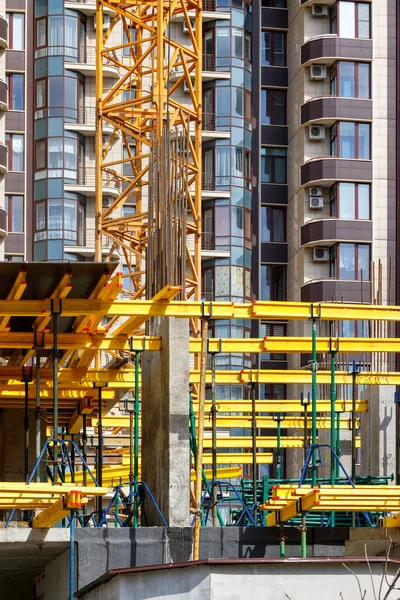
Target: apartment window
{"points": [[351, 140], [128, 153], [350, 80], [16, 91], [273, 107], [14, 258], [41, 32], [273, 165], [351, 19], [353, 329], [350, 262], [273, 49], [127, 51], [16, 151], [41, 93], [127, 282], [351, 201], [273, 330], [272, 282], [16, 31], [15, 214], [273, 224]]}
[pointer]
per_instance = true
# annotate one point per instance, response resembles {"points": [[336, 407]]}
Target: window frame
{"points": [[9, 203], [274, 159], [334, 263], [10, 84], [335, 140], [270, 105], [272, 209], [273, 296], [272, 33], [335, 77], [337, 197], [10, 21], [335, 18], [9, 143]]}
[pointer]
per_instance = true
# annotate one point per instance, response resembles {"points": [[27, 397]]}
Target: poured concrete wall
{"points": [[268, 581]]}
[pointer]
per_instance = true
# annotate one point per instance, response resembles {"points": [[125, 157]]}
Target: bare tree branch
{"points": [[362, 595], [370, 572]]}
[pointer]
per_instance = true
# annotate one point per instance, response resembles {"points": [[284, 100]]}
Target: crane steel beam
{"points": [[142, 105]]}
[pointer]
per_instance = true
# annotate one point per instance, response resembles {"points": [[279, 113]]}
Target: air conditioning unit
{"points": [[316, 202], [320, 10], [107, 201], [106, 22], [185, 27], [318, 72], [320, 254], [315, 191], [186, 87], [316, 133]]}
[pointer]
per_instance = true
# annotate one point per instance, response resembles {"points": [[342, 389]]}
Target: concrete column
{"points": [[12, 452], [165, 424], [378, 431]]}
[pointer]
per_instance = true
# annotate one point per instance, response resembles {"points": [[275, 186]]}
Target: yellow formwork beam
{"points": [[296, 376], [112, 475], [125, 378], [112, 341], [242, 421], [58, 511], [17, 489], [289, 311], [281, 406]]}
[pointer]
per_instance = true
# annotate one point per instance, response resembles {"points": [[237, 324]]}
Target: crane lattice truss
{"points": [[161, 133]]}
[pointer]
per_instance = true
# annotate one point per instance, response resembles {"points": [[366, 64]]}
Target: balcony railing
{"points": [[208, 241], [208, 121], [87, 177], [87, 116], [88, 56], [208, 182], [209, 62], [87, 238]]}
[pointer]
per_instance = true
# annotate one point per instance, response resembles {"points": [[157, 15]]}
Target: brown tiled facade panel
{"points": [[336, 169], [271, 17], [3, 92], [348, 291], [275, 76], [356, 109], [15, 121], [15, 243], [336, 47], [3, 28], [274, 194], [15, 183], [16, 4], [15, 60], [3, 220], [274, 253], [274, 135], [3, 155], [336, 229]]}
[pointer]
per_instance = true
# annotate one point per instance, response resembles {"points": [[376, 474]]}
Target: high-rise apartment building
{"points": [[299, 153]]}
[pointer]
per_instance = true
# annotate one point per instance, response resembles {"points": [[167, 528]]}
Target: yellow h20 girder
{"points": [[275, 311]]}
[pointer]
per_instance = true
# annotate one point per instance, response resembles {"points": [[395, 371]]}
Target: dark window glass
{"points": [[350, 261], [273, 224], [273, 165], [40, 155], [272, 282], [15, 214], [273, 107], [16, 91], [353, 138], [364, 80], [273, 49]]}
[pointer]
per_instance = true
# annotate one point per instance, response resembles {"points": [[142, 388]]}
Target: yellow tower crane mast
{"points": [[142, 67]]}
